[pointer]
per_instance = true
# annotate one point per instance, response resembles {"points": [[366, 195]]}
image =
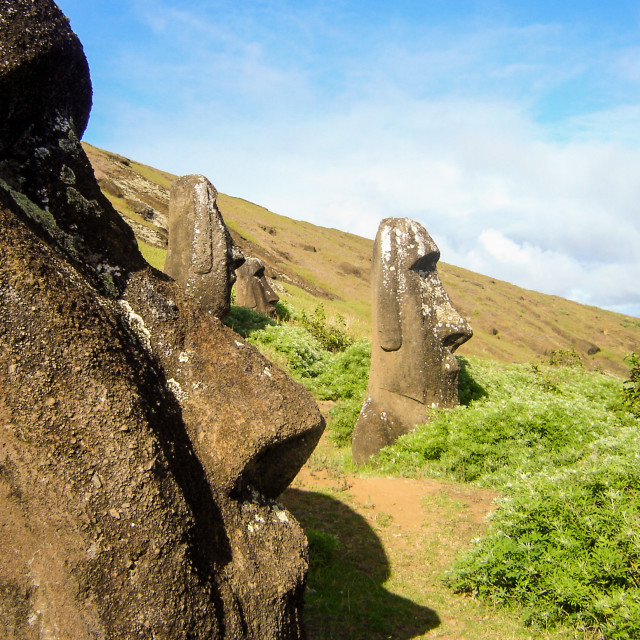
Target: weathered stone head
{"points": [[142, 443], [415, 332], [44, 109], [201, 254], [253, 289]]}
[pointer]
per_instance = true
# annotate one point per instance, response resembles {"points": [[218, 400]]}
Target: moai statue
{"points": [[253, 290], [201, 255], [415, 331], [142, 444]]}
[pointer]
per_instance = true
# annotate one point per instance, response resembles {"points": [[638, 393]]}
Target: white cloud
{"points": [[503, 249], [435, 124]]}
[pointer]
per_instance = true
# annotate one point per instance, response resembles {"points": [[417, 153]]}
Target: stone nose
{"points": [[452, 329], [237, 257]]}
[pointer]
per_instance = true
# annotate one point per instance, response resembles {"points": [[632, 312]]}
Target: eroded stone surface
{"points": [[201, 255], [44, 109], [415, 332], [253, 290], [142, 443]]}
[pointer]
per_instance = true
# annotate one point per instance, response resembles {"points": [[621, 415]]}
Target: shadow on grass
{"points": [[468, 389], [345, 598], [245, 321]]}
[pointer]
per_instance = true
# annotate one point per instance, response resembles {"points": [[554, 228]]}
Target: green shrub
{"points": [[566, 545], [342, 419], [245, 321], [332, 337], [345, 374], [631, 387], [468, 388], [565, 538], [303, 355], [565, 358], [529, 418], [284, 311]]}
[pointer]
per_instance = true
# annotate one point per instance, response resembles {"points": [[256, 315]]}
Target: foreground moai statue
{"points": [[142, 443], [201, 255], [415, 331], [253, 290]]}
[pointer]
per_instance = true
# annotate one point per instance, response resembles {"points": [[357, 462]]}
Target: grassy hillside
{"points": [[315, 264]]}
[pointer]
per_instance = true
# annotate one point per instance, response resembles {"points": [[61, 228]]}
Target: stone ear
{"points": [[387, 302], [252, 300]]}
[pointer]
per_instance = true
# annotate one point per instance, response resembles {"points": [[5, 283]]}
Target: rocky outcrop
{"points": [[253, 290], [46, 99], [415, 331], [201, 255], [143, 443]]}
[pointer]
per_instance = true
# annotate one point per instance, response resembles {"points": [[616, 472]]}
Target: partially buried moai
{"points": [[143, 444], [253, 289], [201, 255], [414, 334]]}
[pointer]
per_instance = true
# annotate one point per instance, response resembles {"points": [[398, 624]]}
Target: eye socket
{"points": [[426, 263]]}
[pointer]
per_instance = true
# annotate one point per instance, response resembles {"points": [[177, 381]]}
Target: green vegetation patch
{"points": [[518, 419], [567, 544], [559, 443], [155, 256]]}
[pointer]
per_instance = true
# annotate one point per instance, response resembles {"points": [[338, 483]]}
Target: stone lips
{"points": [[415, 330], [142, 442]]}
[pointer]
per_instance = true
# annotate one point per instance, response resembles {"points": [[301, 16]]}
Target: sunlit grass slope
{"points": [[318, 264]]}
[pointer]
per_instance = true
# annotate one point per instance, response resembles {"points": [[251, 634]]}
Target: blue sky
{"points": [[511, 130]]}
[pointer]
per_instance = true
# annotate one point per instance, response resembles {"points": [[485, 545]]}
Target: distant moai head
{"points": [[201, 255], [415, 332], [253, 289]]}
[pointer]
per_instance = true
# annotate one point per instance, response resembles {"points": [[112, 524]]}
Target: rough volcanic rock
{"points": [[253, 290], [46, 99], [142, 443], [201, 255], [415, 331]]}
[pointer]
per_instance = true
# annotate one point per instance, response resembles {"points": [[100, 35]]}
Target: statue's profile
{"points": [[253, 289], [201, 255], [415, 331]]}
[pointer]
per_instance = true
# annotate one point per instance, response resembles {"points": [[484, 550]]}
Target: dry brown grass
{"points": [[510, 324]]}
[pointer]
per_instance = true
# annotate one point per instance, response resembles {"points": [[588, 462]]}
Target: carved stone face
{"points": [[201, 255], [415, 314], [415, 332], [253, 289]]}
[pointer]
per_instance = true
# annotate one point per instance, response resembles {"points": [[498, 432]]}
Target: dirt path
{"points": [[401, 534], [412, 504], [393, 541]]}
